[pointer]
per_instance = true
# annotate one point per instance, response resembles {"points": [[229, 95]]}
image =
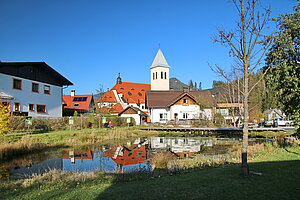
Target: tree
{"points": [[4, 118], [283, 59], [191, 84], [248, 46], [200, 86]]}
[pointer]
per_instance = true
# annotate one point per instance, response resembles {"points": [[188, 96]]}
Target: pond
{"points": [[112, 158]]}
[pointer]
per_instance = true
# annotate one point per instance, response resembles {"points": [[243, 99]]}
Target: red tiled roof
{"points": [[83, 106], [108, 97], [117, 108], [132, 92]]}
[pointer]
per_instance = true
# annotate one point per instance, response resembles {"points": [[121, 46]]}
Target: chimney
{"points": [[72, 93]]}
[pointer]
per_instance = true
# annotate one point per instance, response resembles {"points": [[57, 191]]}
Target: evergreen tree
{"points": [[200, 86], [191, 84], [283, 61]]}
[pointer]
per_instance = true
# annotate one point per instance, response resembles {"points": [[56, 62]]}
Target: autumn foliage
{"points": [[4, 118]]}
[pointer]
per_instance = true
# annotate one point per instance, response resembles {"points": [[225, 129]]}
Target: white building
{"points": [[165, 105], [32, 88]]}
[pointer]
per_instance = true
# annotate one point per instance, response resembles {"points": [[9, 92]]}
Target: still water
{"points": [[112, 158]]}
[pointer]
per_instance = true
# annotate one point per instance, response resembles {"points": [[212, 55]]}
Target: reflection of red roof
{"points": [[79, 155], [132, 155], [132, 92], [117, 108], [81, 106]]}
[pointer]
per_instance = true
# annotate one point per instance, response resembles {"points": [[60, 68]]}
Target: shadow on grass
{"points": [[291, 152], [279, 180]]}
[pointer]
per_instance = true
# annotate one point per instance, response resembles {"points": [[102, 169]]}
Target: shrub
{"points": [[4, 119]]}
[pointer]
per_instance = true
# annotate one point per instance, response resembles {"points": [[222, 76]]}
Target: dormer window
{"points": [[129, 93], [185, 101], [132, 88], [140, 94], [76, 104]]}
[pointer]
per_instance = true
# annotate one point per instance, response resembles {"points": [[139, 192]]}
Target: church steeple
{"points": [[159, 60], [160, 72], [119, 80]]}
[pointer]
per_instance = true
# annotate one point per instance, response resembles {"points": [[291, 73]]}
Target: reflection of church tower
{"points": [[160, 73]]}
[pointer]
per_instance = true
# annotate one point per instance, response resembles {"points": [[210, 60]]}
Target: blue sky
{"points": [[91, 41]]}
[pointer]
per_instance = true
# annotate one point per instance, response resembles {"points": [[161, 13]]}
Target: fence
{"points": [[18, 123]]}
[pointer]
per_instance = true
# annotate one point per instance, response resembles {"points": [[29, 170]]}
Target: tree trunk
{"points": [[245, 168]]}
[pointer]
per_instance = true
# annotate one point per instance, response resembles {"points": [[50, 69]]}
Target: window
{"points": [[163, 116], [46, 89], [17, 107], [161, 140], [153, 76], [165, 75], [143, 107], [35, 87], [17, 84], [161, 75], [31, 107], [224, 112], [80, 99], [76, 104], [185, 141], [185, 101], [176, 141], [41, 108], [185, 115]]}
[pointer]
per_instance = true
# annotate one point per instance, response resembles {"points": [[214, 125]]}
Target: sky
{"points": [[90, 42]]}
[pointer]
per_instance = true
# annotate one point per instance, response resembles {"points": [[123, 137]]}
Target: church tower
{"points": [[160, 73]]}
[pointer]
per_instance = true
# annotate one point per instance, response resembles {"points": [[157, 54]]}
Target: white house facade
{"points": [[35, 89]]}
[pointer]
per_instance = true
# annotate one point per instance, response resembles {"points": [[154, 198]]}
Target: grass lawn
{"points": [[280, 179]]}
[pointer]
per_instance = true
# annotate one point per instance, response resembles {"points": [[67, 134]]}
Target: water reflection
{"points": [[133, 156]]}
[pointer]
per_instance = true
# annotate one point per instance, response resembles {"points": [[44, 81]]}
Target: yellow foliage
{"points": [[4, 118]]}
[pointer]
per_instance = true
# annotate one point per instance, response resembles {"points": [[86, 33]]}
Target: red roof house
{"points": [[80, 103]]}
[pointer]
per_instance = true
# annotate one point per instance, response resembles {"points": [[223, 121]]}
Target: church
{"points": [[164, 99]]}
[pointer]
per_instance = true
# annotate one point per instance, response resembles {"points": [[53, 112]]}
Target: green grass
{"points": [[280, 179]]}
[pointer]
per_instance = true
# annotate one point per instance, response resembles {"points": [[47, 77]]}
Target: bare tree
{"points": [[248, 45]]}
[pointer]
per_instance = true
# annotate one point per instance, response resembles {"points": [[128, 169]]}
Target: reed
{"points": [[160, 160], [23, 146]]}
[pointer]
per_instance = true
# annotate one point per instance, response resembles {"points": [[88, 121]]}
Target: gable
{"points": [[185, 101], [130, 111]]}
